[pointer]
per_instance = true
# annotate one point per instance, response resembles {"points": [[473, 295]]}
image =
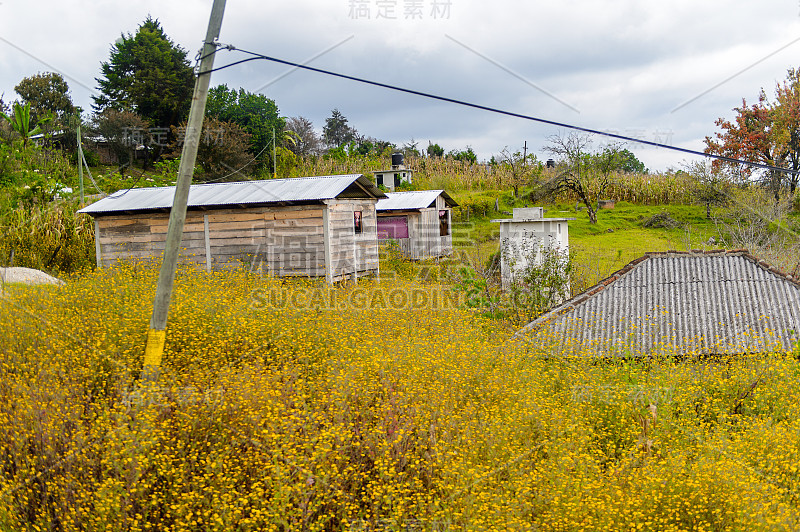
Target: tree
{"points": [[764, 132], [629, 163], [521, 169], [47, 94], [223, 151], [467, 155], [364, 146], [712, 186], [308, 142], [786, 126], [434, 150], [255, 113], [20, 121], [149, 75], [410, 148], [584, 173], [337, 132], [124, 131], [6, 133]]}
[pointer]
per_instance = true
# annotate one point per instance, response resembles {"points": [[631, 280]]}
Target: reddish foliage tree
{"points": [[764, 132]]}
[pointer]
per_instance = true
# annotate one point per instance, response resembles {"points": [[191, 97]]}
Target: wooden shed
{"points": [[420, 221], [308, 226]]}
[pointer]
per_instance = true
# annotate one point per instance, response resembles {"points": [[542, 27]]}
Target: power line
{"points": [[94, 183], [251, 161], [257, 56]]}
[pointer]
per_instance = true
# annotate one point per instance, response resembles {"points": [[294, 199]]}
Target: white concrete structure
{"points": [[525, 235], [391, 179]]}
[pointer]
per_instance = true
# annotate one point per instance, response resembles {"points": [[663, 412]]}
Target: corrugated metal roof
{"points": [[416, 199], [711, 302], [239, 193]]}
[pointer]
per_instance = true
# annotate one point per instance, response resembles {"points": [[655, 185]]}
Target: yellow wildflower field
{"points": [[382, 405]]}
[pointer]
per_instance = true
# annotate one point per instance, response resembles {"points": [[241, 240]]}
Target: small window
{"points": [[444, 223], [357, 222]]}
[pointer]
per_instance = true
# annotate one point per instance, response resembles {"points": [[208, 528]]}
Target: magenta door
{"points": [[392, 227]]}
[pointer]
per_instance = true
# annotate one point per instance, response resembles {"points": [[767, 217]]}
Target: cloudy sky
{"points": [[661, 71]]}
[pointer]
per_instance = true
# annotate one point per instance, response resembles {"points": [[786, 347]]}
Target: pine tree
{"points": [[149, 75]]}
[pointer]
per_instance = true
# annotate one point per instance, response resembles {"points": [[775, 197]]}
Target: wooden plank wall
{"points": [[141, 236], [424, 240], [351, 252], [283, 241], [429, 243], [295, 241]]}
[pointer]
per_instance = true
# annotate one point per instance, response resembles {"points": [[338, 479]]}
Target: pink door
{"points": [[395, 227]]}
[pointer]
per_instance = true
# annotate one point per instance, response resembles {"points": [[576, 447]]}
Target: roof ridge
{"points": [[439, 190], [266, 180]]}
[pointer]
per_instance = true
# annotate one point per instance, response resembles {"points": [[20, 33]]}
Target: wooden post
{"points": [[97, 247], [156, 336], [208, 242], [326, 242]]}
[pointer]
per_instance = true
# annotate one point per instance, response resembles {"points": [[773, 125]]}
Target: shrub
{"points": [[661, 220]]}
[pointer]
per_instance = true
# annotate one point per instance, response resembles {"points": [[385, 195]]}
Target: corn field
{"points": [[461, 176]]}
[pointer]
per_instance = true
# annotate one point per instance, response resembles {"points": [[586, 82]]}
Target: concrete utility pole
{"points": [[157, 334], [80, 164]]}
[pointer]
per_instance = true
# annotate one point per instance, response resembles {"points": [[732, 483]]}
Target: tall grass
{"points": [[297, 406], [52, 237]]}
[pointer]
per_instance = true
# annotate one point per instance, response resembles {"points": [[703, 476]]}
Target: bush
{"points": [[92, 159], [542, 285], [661, 220]]}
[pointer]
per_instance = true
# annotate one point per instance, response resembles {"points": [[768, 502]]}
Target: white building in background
{"points": [[525, 235], [394, 177]]}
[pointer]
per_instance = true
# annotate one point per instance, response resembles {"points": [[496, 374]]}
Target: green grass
{"points": [[599, 249]]}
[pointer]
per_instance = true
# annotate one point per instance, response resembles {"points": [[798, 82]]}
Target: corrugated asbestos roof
{"points": [[239, 193], [417, 199], [672, 302]]}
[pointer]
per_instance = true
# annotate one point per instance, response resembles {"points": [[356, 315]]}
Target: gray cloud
{"points": [[624, 64]]}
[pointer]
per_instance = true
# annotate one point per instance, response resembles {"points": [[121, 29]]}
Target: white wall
{"points": [[519, 241]]}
